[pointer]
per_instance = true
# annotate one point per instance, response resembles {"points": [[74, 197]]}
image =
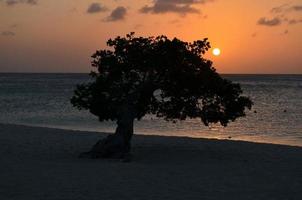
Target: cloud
{"points": [[280, 9], [165, 8], [96, 8], [294, 21], [283, 13], [173, 6], [285, 8], [8, 33], [15, 2], [269, 22], [297, 8], [117, 14], [33, 2]]}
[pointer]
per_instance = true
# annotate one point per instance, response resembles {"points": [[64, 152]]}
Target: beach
{"points": [[43, 163]]}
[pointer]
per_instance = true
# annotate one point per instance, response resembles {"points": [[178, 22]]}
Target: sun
{"points": [[216, 52]]}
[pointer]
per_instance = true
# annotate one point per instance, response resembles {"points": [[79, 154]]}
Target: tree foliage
{"points": [[159, 76]]}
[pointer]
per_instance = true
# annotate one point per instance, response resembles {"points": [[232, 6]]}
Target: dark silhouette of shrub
{"points": [[159, 76]]}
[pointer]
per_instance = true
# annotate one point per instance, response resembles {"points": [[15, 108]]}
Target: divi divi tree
{"points": [[165, 77]]}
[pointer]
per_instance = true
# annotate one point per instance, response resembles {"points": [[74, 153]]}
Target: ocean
{"points": [[44, 100]]}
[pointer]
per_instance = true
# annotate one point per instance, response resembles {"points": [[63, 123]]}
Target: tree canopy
{"points": [[165, 77]]}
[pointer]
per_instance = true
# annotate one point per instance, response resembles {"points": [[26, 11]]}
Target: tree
{"points": [[158, 76]]}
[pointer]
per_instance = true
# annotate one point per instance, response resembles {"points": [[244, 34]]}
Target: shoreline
{"points": [[262, 139], [43, 163]]}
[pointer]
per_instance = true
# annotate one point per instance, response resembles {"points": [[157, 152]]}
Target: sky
{"points": [[255, 36]]}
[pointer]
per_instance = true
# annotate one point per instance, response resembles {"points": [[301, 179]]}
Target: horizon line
{"points": [[89, 72]]}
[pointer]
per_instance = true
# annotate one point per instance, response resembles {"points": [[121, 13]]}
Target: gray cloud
{"points": [[8, 33], [294, 21], [96, 8], [297, 8], [285, 8], [117, 14], [281, 14], [165, 8], [33, 2], [173, 6], [269, 22], [15, 2], [280, 9]]}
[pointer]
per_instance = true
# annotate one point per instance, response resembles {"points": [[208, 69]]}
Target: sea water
{"points": [[44, 100]]}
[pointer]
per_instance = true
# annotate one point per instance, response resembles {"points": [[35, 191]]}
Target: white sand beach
{"points": [[42, 163]]}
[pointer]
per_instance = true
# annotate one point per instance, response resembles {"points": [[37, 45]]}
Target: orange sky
{"points": [[60, 35]]}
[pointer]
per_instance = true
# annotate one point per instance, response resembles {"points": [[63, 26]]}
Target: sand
{"points": [[42, 163]]}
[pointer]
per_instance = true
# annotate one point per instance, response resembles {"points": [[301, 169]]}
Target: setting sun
{"points": [[216, 52]]}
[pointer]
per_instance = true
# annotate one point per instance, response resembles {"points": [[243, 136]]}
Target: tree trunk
{"points": [[116, 145]]}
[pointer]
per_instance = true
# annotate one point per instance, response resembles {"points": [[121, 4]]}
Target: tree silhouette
{"points": [[159, 76]]}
